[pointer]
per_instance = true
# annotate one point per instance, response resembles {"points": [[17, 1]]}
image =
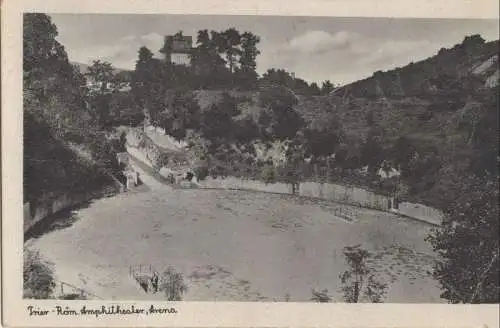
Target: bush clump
{"points": [[173, 285], [38, 276], [201, 172], [217, 171], [268, 174]]}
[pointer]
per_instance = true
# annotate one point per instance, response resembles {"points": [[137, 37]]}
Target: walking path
{"points": [[152, 179]]}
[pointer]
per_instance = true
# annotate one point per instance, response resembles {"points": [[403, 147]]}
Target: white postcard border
{"points": [[206, 314]]}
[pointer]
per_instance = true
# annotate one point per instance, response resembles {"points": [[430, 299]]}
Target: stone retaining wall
{"points": [[44, 210], [245, 184], [327, 191], [421, 212]]}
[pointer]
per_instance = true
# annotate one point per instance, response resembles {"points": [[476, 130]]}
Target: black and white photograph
{"points": [[248, 158]]}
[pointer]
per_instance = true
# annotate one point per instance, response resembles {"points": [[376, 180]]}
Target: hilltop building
{"points": [[178, 49]]}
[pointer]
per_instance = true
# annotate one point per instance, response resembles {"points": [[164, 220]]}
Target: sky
{"points": [[341, 50]]}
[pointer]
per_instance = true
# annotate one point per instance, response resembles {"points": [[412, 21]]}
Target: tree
{"points": [[38, 276], [358, 281], [372, 153], [202, 54], [279, 76], [278, 119], [314, 89], [52, 86], [327, 87], [323, 136], [46, 69], [287, 79], [208, 66], [245, 130], [101, 109], [248, 57], [78, 77], [41, 51], [182, 113], [402, 153], [217, 122], [143, 68], [197, 145], [203, 40], [149, 83], [473, 41], [423, 169], [484, 139], [55, 112], [229, 42], [468, 244], [250, 52], [217, 42], [172, 284], [101, 72]]}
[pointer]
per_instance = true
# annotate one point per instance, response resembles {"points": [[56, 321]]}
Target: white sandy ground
{"points": [[234, 246]]}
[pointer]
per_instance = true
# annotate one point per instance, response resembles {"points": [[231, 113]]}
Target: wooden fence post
{"points": [[328, 170]]}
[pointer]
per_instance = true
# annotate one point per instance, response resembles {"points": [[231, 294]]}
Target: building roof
{"points": [[180, 43]]}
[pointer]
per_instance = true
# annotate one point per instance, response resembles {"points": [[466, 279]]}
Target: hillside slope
{"points": [[444, 107], [467, 65], [434, 121]]}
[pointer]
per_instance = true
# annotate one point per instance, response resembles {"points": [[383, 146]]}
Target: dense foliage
{"points": [[468, 244], [38, 276], [359, 282], [64, 148]]}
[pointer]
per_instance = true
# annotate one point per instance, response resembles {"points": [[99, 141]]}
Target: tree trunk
{"points": [[356, 292]]}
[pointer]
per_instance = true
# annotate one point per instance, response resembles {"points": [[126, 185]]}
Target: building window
{"points": [[180, 59]]}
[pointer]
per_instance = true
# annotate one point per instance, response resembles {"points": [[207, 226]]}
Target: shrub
{"points": [[268, 174], [38, 276], [321, 296], [73, 296], [359, 280], [201, 172], [217, 171], [163, 159], [172, 284], [123, 142]]}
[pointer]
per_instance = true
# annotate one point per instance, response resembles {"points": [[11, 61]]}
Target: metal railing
{"points": [[346, 213], [66, 289], [141, 269]]}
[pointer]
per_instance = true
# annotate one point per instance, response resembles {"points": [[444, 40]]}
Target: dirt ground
{"points": [[234, 246]]}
